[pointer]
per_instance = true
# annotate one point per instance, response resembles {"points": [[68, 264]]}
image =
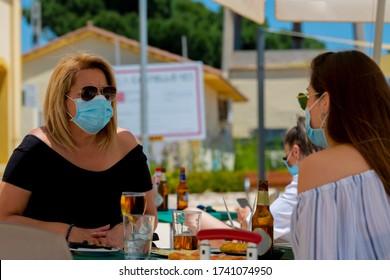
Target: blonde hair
{"points": [[62, 79]]}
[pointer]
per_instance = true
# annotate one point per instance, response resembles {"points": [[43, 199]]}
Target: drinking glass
{"points": [[138, 236], [185, 227], [133, 203]]}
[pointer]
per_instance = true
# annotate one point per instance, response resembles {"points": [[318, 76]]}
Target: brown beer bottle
{"points": [[263, 221], [182, 191], [163, 190]]}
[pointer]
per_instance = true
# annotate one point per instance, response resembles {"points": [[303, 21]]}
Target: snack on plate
{"points": [[180, 255], [232, 247], [184, 255]]}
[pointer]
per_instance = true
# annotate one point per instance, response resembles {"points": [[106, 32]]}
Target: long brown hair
{"points": [[359, 112]]}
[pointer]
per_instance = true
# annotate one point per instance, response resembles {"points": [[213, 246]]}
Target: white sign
{"points": [[175, 101]]}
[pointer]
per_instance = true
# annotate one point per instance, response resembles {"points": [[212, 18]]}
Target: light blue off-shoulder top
{"points": [[346, 219]]}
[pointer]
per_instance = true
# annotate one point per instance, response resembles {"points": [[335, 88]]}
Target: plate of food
{"points": [[239, 249], [161, 252], [166, 252], [234, 248], [195, 255]]}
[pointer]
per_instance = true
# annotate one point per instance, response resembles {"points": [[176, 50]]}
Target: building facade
{"points": [[10, 78]]}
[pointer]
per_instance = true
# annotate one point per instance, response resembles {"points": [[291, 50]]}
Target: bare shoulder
{"points": [[41, 133], [330, 165], [126, 140], [310, 168]]}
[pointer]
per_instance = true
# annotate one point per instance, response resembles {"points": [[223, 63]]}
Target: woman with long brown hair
{"points": [[343, 209]]}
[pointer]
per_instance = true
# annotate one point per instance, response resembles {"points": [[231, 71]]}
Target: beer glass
{"points": [[185, 228], [133, 203]]}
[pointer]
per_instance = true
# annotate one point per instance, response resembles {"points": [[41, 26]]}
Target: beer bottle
{"points": [[163, 191], [182, 191], [263, 221]]}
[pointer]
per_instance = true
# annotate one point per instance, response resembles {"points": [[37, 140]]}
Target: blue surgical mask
{"points": [[316, 135], [292, 169], [92, 116]]}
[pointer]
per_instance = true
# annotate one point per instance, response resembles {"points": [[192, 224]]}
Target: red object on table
{"points": [[252, 238], [229, 234]]}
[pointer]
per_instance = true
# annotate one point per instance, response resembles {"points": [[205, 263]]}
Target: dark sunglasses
{"points": [[288, 156], [303, 98], [89, 92]]}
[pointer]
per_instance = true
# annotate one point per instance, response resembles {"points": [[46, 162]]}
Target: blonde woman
{"points": [[67, 176]]}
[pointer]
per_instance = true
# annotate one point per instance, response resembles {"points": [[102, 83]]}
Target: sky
{"points": [[333, 30]]}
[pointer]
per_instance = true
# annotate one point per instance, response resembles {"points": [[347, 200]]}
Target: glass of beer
{"points": [[185, 227], [133, 203]]}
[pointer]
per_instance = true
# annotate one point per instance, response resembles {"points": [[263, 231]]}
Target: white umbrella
{"points": [[337, 11]]}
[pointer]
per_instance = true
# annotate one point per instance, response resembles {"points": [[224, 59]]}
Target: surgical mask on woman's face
{"points": [[316, 135], [292, 169], [92, 116]]}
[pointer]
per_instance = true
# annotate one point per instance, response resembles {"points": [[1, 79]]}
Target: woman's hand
{"points": [[114, 237], [242, 214], [91, 235]]}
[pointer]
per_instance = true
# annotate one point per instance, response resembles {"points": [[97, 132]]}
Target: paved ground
{"points": [[213, 199]]}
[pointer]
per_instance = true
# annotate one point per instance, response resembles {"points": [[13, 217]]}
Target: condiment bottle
{"points": [[182, 191], [263, 221]]}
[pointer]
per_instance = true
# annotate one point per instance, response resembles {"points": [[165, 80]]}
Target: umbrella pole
{"points": [[380, 17], [261, 113]]}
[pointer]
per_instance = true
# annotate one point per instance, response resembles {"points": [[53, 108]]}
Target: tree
{"points": [[168, 21]]}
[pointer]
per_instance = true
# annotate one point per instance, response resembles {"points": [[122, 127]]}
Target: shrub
{"points": [[217, 181]]}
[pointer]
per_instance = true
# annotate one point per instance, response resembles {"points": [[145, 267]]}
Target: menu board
{"points": [[174, 102]]}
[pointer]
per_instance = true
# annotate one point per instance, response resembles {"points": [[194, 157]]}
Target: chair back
{"points": [[21, 242]]}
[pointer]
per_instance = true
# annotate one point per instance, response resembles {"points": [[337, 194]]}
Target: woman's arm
{"points": [[13, 202], [151, 207]]}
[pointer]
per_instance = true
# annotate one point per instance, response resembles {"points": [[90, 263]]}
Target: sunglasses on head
{"points": [[89, 92], [303, 98]]}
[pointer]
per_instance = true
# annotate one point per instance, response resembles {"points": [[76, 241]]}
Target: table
{"points": [[283, 253], [166, 216]]}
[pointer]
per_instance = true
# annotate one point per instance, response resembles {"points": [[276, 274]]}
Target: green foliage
{"points": [[246, 154], [168, 21], [219, 181]]}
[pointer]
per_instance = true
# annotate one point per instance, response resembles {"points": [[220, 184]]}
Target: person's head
{"points": [[69, 77], [297, 146], [350, 99]]}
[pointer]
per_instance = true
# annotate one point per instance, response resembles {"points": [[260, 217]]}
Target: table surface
{"points": [[166, 216], [282, 253]]}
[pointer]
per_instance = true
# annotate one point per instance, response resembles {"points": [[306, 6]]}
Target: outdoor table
{"points": [[283, 252]]}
